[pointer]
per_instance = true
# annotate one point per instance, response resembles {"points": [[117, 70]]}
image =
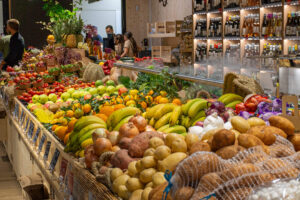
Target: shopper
{"points": [[4, 45], [16, 46], [109, 43], [95, 35], [130, 46], [119, 44]]}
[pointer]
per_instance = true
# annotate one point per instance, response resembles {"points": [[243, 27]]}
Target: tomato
{"points": [[25, 94], [251, 107], [34, 74], [240, 107], [22, 75], [46, 85]]}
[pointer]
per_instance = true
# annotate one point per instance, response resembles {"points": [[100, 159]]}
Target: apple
{"points": [[86, 89], [30, 105], [110, 89], [122, 90], [93, 91], [105, 95], [49, 102], [71, 91], [87, 96], [76, 95], [65, 96], [98, 83], [120, 86], [35, 98], [43, 99], [110, 83], [70, 100], [101, 89], [46, 105], [52, 97]]}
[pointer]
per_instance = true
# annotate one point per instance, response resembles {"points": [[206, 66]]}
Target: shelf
{"points": [[186, 50], [214, 11], [292, 38], [186, 30], [232, 9], [271, 38], [201, 38], [161, 35], [232, 38], [203, 12], [250, 8], [272, 5], [214, 38], [292, 3], [251, 38]]}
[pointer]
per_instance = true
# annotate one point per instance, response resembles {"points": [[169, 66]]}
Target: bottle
{"points": [[256, 26], [288, 25], [264, 26], [244, 28]]}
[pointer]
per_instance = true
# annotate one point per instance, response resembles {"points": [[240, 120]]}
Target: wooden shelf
{"points": [[161, 35]]}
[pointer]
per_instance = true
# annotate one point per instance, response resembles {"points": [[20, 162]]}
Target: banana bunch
{"points": [[165, 118], [230, 100], [120, 117], [81, 136], [193, 111]]}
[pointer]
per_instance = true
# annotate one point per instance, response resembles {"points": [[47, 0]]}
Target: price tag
{"points": [[54, 160], [37, 133], [47, 150], [42, 143], [31, 129]]}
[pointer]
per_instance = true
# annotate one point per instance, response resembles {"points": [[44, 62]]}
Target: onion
{"points": [[218, 105], [199, 123], [149, 128], [140, 122], [128, 130], [99, 133], [210, 111], [115, 148], [125, 142], [113, 137], [90, 156], [102, 145]]}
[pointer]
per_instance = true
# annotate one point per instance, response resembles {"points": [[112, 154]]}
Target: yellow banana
{"points": [[169, 107], [87, 142], [197, 107], [118, 115], [175, 115], [153, 110], [152, 121], [186, 107], [176, 129], [163, 120], [87, 120], [161, 129], [123, 121]]}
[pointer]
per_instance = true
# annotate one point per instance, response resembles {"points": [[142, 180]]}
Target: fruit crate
{"points": [[164, 29], [163, 52]]}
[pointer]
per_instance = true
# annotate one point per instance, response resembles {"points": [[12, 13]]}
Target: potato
{"points": [[295, 140], [121, 180], [136, 195], [146, 175], [248, 141], [191, 139], [149, 152], [281, 168], [255, 121], [199, 146], [229, 151], [276, 131], [121, 159], [222, 138], [115, 173], [158, 179], [184, 193], [162, 152], [132, 169], [255, 158], [157, 193], [267, 137], [133, 184], [209, 134], [210, 181], [237, 194], [237, 171], [236, 133], [284, 124], [139, 166], [156, 142], [148, 162], [240, 124], [171, 137], [146, 193], [123, 192], [149, 185], [179, 145], [170, 162]]}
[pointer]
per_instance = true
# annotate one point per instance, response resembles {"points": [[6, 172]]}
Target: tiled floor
{"points": [[9, 186]]}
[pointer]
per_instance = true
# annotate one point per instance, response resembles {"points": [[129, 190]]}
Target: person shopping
{"points": [[130, 46], [16, 46], [119, 44]]}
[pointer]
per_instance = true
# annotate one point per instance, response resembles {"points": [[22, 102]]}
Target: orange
{"points": [[151, 92], [71, 124], [119, 100], [156, 99], [87, 108], [102, 116], [128, 98], [106, 110], [119, 106], [51, 37], [78, 113], [61, 131], [149, 99], [163, 100], [66, 138], [177, 101], [54, 127], [70, 113], [163, 93], [131, 102], [143, 104]]}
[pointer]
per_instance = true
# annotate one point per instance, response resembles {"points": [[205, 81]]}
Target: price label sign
{"points": [[37, 133], [41, 143], [31, 129], [48, 145], [54, 160]]}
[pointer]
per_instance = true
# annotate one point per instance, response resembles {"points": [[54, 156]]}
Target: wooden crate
{"points": [[160, 27], [163, 52], [164, 29]]}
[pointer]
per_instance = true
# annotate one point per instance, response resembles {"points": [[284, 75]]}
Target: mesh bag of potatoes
{"points": [[208, 176]]}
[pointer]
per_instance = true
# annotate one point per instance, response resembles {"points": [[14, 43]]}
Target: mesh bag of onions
{"points": [[205, 175]]}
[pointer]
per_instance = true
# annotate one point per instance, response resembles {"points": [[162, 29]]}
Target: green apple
{"points": [[116, 93], [71, 91], [93, 91], [120, 86], [65, 96], [86, 89], [98, 83], [35, 98], [101, 89], [110, 83], [70, 100], [43, 99], [76, 95], [105, 95], [82, 93], [110, 89], [49, 102], [52, 97]]}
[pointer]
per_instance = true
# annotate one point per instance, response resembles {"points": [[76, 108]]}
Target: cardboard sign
{"points": [[296, 118], [54, 160]]}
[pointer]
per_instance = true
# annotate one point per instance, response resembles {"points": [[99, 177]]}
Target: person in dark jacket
{"points": [[16, 46], [109, 43]]}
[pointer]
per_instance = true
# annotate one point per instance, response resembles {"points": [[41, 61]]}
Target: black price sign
{"points": [[31, 129], [37, 133], [54, 160], [47, 150], [42, 143]]}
